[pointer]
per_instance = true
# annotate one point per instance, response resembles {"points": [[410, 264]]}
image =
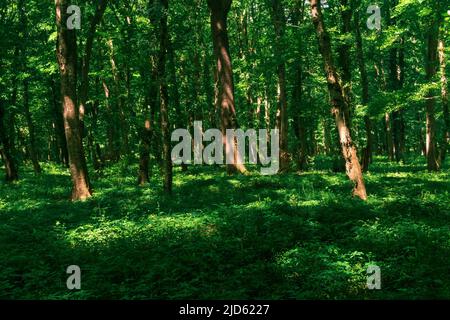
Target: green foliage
{"points": [[228, 237]]}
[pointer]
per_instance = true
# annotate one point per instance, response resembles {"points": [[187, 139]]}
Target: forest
{"points": [[119, 179]]}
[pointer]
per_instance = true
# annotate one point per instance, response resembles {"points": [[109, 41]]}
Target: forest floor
{"points": [[298, 235]]}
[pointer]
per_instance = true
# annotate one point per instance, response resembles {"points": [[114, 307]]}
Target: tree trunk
{"points": [[31, 131], [209, 90], [444, 97], [22, 67], [338, 102], [431, 69], [121, 143], [219, 12], [147, 132], [388, 131], [297, 18], [84, 87], [344, 57], [367, 152], [5, 147], [299, 120], [164, 96], [279, 22], [396, 63], [58, 122], [112, 139], [67, 59], [398, 126]]}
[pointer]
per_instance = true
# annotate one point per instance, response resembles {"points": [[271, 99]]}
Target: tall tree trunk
{"points": [[11, 170], [367, 152], [22, 66], [397, 67], [84, 87], [67, 59], [147, 132], [121, 143], [326, 136], [279, 22], [299, 120], [31, 130], [431, 69], [145, 147], [401, 123], [209, 90], [58, 121], [164, 96], [344, 57], [395, 127], [297, 18], [219, 12], [398, 134], [444, 97], [111, 129], [338, 102], [388, 132]]}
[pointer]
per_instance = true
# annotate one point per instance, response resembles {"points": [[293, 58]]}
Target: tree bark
{"points": [[338, 102], [111, 129], [219, 12], [279, 22], [58, 122], [84, 87], [23, 35], [67, 59], [431, 69], [147, 132], [367, 152], [164, 96], [121, 143], [31, 129], [444, 98], [297, 92], [11, 170], [344, 57], [388, 131]]}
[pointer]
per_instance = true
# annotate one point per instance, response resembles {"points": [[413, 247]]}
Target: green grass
{"points": [[218, 237]]}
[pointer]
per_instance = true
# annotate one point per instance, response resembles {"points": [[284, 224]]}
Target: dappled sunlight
{"points": [[329, 270], [288, 236]]}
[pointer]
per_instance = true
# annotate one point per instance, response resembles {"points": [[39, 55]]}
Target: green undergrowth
{"points": [[290, 236]]}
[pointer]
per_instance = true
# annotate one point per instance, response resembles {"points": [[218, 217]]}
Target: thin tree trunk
{"points": [[297, 91], [122, 143], [147, 132], [367, 152], [431, 69], [444, 97], [396, 83], [59, 125], [279, 22], [338, 102], [388, 131], [299, 121], [344, 57], [67, 59], [326, 136], [164, 97], [31, 130], [84, 87], [5, 147], [209, 90], [22, 66], [111, 130]]}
